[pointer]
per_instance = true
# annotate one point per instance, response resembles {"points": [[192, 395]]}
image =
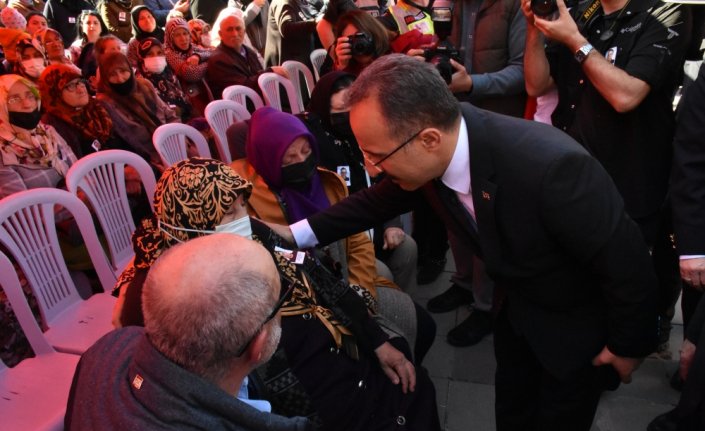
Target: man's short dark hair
{"points": [[411, 94]]}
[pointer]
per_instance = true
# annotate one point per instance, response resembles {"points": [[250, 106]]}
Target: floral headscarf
{"points": [[37, 147], [171, 27], [92, 120], [192, 194]]}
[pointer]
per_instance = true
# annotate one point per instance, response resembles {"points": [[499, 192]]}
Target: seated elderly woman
{"points": [[31, 62], [81, 120], [327, 118], [282, 156], [32, 154], [144, 25], [152, 65], [353, 374], [133, 102], [52, 43], [189, 62]]}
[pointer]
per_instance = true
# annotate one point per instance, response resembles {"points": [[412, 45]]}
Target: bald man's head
{"points": [[204, 299]]}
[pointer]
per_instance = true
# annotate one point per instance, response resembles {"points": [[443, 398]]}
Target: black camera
{"points": [[440, 57], [544, 8], [361, 44]]}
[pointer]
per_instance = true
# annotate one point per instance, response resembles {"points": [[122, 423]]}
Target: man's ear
{"points": [[431, 139], [257, 347]]}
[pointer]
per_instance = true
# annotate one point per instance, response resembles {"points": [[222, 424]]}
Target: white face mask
{"points": [[33, 67], [155, 64], [240, 227], [206, 39]]}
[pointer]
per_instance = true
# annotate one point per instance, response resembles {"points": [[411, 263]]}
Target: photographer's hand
{"points": [[562, 28], [342, 53], [461, 80]]}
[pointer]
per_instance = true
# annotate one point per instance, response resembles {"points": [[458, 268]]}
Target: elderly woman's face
{"points": [[111, 46], [21, 99], [75, 93], [36, 23], [54, 45], [298, 151], [181, 38], [339, 101], [30, 53], [119, 74], [235, 212]]}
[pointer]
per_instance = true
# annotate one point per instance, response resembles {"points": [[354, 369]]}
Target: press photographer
{"points": [[616, 64]]}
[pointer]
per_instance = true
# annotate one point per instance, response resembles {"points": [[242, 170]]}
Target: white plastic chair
{"points": [[170, 142], [35, 391], [318, 56], [295, 69], [28, 231], [101, 176], [220, 115], [241, 93], [269, 83]]}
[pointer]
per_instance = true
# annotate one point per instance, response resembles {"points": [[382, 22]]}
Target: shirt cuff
{"points": [[303, 234], [692, 256]]}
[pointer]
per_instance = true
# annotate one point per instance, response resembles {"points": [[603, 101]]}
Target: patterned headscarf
{"points": [[192, 194], [171, 27], [39, 147], [11, 18], [92, 120]]}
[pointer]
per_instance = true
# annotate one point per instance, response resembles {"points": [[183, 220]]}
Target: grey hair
{"points": [[410, 93], [203, 333]]}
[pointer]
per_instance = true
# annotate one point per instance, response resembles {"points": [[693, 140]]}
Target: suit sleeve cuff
{"points": [[303, 234], [692, 256]]}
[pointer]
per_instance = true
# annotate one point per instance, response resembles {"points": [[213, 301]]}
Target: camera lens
{"points": [[543, 7]]}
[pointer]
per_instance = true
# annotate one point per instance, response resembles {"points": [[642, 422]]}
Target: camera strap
{"points": [[588, 15]]}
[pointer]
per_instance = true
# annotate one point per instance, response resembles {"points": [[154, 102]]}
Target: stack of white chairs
{"points": [[296, 70]]}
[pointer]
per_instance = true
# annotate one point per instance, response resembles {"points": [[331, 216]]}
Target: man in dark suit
{"points": [[575, 290]]}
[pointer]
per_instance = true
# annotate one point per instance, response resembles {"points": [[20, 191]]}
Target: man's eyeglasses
{"points": [[73, 85], [278, 306], [402, 145]]}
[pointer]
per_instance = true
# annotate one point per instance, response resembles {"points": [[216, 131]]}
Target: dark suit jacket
{"points": [[552, 232], [688, 175]]}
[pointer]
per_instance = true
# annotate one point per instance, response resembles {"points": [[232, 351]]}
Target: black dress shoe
{"points": [[664, 422], [472, 330], [430, 270], [449, 300]]}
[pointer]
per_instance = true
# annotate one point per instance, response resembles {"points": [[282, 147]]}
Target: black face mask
{"points": [[124, 88], [25, 120], [299, 174], [340, 123]]}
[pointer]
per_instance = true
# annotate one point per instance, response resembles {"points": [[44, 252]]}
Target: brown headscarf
{"points": [[140, 101], [92, 120]]}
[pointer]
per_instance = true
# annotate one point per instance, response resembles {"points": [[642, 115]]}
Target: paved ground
{"points": [[464, 379]]}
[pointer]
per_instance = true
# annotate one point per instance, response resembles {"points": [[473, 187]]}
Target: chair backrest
{"points": [[269, 84], [13, 290], [220, 115], [296, 69], [101, 176], [28, 231], [318, 56], [170, 142], [241, 93]]}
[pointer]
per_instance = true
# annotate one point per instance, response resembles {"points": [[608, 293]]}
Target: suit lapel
{"points": [[484, 190]]}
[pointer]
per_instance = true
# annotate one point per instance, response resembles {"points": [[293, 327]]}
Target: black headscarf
{"points": [[137, 32], [320, 97]]}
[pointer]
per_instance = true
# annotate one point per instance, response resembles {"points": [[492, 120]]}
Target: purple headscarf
{"points": [[271, 133]]}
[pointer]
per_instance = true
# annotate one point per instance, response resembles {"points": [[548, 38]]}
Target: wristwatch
{"points": [[582, 53]]}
